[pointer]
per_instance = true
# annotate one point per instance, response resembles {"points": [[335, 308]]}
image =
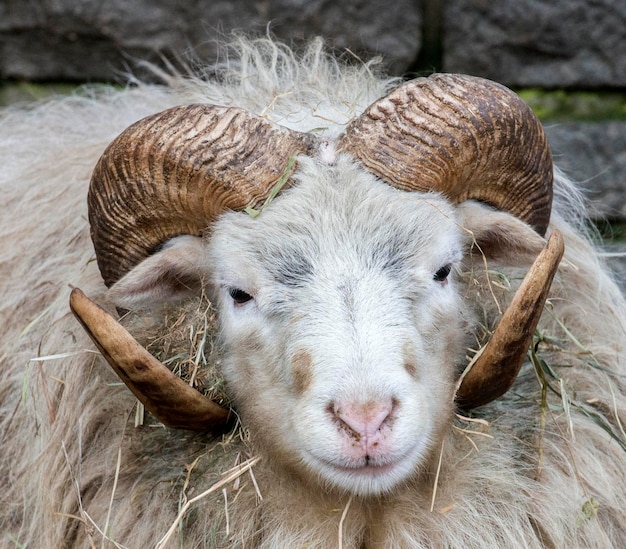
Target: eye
{"points": [[442, 274], [239, 296]]}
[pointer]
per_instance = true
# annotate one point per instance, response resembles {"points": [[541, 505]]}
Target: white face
{"points": [[342, 325]]}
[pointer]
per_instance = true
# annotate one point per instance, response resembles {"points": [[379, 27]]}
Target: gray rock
{"points": [[594, 153], [99, 40], [547, 43], [366, 27]]}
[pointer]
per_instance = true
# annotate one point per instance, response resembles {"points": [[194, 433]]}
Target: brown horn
{"points": [[172, 173], [494, 371], [463, 136], [164, 394]]}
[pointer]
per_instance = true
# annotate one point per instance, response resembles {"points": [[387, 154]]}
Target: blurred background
{"points": [[566, 58]]}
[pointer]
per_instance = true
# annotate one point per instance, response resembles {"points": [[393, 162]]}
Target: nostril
{"points": [[364, 420]]}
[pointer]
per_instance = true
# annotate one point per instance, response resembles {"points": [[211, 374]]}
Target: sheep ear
{"points": [[173, 273], [498, 235]]}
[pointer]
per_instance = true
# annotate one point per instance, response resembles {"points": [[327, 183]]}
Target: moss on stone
{"points": [[23, 92], [550, 105]]}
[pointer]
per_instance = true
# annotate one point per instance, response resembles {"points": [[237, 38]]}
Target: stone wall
{"points": [[562, 44], [521, 43], [97, 39], [546, 43]]}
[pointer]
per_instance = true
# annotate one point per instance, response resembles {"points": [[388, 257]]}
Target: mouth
{"points": [[368, 477], [366, 471], [365, 467]]}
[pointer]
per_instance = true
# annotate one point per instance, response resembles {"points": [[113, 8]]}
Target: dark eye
{"points": [[442, 274], [239, 296]]}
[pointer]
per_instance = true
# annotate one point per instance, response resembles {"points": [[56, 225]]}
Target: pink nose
{"points": [[364, 420]]}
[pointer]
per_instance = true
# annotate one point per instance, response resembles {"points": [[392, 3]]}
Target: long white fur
{"points": [[75, 472]]}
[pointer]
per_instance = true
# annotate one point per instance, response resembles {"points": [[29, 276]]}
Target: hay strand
{"points": [[341, 521], [233, 474]]}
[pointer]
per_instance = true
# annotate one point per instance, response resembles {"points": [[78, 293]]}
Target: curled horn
{"points": [[494, 371], [172, 173], [463, 136], [163, 393]]}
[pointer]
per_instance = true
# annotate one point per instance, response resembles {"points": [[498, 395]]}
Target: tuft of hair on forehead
{"points": [[341, 212]]}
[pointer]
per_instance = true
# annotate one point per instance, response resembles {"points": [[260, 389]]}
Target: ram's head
{"points": [[345, 336]]}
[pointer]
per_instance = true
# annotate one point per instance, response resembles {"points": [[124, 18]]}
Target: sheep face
{"points": [[342, 327]]}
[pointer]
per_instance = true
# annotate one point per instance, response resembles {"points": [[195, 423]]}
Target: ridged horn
{"points": [[172, 173], [163, 393], [495, 370], [463, 136]]}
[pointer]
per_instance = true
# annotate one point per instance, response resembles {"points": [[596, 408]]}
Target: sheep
{"points": [[347, 308]]}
